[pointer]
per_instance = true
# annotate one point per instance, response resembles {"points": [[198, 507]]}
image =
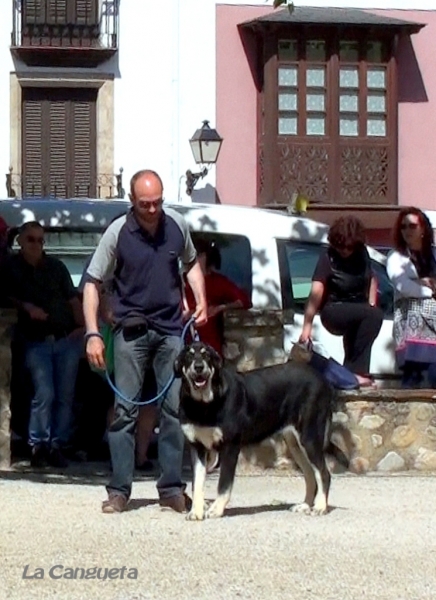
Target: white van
{"points": [[270, 254]]}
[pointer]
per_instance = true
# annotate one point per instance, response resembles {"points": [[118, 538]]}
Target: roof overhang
{"points": [[333, 17]]}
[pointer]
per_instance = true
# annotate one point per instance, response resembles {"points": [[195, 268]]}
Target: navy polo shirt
{"points": [[145, 270]]}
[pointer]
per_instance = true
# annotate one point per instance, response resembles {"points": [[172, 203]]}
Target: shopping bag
{"points": [[339, 376]]}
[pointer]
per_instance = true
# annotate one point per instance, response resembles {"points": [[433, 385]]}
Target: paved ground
{"points": [[378, 542]]}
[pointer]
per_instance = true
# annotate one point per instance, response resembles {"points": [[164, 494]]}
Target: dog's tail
{"points": [[337, 454], [339, 431]]}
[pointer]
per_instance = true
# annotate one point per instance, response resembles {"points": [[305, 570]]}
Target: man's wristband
{"points": [[91, 334]]}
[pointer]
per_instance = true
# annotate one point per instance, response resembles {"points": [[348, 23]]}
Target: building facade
{"points": [[337, 103]]}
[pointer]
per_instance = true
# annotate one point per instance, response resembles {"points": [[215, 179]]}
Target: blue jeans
{"points": [[53, 368], [132, 358]]}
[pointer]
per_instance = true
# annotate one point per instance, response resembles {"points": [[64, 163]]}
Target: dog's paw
{"points": [[215, 511], [318, 511], [195, 515], [303, 508]]}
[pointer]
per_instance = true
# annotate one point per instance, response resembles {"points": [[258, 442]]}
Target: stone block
{"points": [[391, 462], [371, 421], [403, 436], [425, 460], [376, 440]]}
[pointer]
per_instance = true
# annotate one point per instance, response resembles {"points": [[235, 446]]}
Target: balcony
{"points": [[65, 33], [105, 186]]}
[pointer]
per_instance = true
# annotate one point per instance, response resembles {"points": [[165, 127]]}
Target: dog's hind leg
{"points": [[229, 458], [199, 460], [298, 453], [316, 456]]}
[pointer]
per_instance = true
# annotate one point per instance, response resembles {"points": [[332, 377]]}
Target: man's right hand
{"points": [[200, 315], [95, 352], [35, 313]]}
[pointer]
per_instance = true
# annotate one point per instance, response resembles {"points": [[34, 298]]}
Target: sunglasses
{"points": [[148, 204], [35, 240], [349, 247], [409, 226]]}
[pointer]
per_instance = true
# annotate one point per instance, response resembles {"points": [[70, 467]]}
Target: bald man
{"points": [[141, 252]]}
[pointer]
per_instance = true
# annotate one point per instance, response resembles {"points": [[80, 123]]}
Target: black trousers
{"points": [[359, 324]]}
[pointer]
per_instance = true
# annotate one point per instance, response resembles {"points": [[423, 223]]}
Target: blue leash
{"points": [[166, 386]]}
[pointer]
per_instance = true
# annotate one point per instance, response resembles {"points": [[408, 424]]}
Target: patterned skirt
{"points": [[415, 330]]}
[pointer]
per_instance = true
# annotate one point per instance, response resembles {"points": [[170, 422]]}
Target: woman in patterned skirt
{"points": [[411, 267]]}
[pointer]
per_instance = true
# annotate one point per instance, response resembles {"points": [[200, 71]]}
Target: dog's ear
{"points": [[215, 359], [219, 377]]}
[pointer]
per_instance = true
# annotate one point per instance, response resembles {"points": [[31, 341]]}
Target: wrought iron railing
{"points": [[54, 23], [104, 186]]}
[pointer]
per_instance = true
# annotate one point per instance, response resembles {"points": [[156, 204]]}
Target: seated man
{"points": [[50, 328]]}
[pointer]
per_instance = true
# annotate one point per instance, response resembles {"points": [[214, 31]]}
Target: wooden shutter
{"points": [[56, 12], [83, 136], [62, 12], [86, 12], [32, 147], [57, 147], [59, 142], [33, 11]]}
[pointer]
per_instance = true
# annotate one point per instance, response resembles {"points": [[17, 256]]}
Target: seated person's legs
{"points": [[367, 323], [360, 325]]}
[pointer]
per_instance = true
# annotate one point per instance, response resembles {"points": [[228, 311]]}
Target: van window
{"points": [[297, 262], [72, 247], [235, 253]]}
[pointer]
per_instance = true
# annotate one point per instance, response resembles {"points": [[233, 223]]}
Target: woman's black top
{"points": [[345, 279]]}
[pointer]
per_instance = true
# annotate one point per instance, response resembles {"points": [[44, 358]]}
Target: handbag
{"points": [[336, 374]]}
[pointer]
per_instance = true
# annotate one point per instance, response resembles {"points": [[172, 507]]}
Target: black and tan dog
{"points": [[221, 410]]}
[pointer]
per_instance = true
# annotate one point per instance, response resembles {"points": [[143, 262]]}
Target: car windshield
{"points": [[73, 248]]}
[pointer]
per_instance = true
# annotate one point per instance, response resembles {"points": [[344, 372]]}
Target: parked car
{"points": [[269, 254]]}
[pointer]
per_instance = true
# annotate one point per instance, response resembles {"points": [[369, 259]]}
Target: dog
{"points": [[223, 411]]}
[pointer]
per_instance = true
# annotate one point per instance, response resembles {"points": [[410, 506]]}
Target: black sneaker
{"points": [[57, 459], [38, 457]]}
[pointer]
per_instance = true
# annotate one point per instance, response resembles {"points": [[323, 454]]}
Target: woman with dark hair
{"points": [[411, 267], [344, 290]]}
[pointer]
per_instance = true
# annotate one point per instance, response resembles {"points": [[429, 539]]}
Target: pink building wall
{"points": [[237, 109]]}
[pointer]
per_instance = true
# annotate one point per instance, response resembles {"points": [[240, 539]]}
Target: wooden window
{"points": [[60, 12], [59, 142], [328, 119]]}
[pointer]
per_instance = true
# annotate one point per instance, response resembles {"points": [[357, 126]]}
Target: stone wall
{"points": [[392, 430], [386, 430], [381, 430], [253, 338], [7, 320]]}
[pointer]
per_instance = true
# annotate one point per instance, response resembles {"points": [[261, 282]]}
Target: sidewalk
{"points": [[378, 542]]}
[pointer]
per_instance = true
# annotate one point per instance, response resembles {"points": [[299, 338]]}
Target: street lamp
{"points": [[205, 146]]}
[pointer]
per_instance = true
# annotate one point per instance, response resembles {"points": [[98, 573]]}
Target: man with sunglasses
{"points": [[142, 253], [49, 328]]}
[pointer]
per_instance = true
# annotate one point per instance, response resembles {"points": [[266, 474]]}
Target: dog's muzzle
{"points": [[199, 374]]}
